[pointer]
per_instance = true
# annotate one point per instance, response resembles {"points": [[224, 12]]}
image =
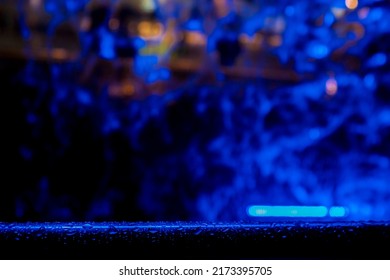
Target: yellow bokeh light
{"points": [[351, 4], [148, 29]]}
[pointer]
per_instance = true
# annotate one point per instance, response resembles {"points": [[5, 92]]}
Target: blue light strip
{"points": [[337, 211], [295, 211]]}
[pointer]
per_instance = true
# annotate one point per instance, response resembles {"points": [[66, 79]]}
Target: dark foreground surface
{"points": [[266, 240]]}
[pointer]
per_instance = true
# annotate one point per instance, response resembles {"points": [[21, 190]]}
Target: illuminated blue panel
{"points": [[337, 212], [287, 211]]}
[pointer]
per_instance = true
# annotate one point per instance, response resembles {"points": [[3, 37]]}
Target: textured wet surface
{"points": [[176, 240]]}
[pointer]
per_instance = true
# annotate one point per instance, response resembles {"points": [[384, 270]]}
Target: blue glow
{"points": [[337, 211], [370, 81], [329, 19], [139, 43], [112, 123], [207, 151], [144, 64], [290, 11], [377, 60], [107, 46], [73, 5], [123, 226], [317, 50], [160, 226], [51, 6], [376, 14], [84, 97], [287, 211], [384, 117], [31, 118], [165, 74], [251, 26], [159, 75], [193, 25], [26, 153]]}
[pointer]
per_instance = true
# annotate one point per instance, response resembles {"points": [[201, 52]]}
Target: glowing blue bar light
{"points": [[287, 211], [337, 211], [296, 211]]}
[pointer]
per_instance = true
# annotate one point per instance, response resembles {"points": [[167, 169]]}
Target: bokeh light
{"points": [[195, 110]]}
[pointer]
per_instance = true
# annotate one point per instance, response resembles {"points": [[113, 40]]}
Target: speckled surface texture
{"points": [[177, 240]]}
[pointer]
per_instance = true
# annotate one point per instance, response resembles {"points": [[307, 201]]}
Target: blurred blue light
{"points": [[107, 47], [193, 25], [50, 6], [144, 64], [329, 19], [153, 77], [384, 117], [376, 14], [314, 133], [377, 60], [337, 211], [26, 153], [317, 50], [258, 157], [112, 123], [84, 97], [73, 5], [165, 74], [31, 118], [290, 11], [370, 81], [287, 211], [139, 43]]}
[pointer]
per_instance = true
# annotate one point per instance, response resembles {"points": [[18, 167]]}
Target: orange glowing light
{"points": [[275, 40], [196, 38], [59, 54], [148, 29], [351, 4]]}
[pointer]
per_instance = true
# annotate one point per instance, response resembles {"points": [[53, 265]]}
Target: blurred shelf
{"points": [[193, 240]]}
